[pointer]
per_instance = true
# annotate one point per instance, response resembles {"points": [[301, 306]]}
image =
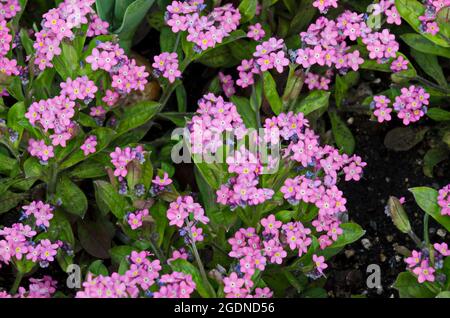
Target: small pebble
{"points": [[390, 238], [366, 243], [349, 253], [382, 257], [441, 232]]}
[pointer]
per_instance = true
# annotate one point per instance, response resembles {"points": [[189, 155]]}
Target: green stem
{"points": [[200, 264], [52, 180], [177, 41], [426, 236], [16, 284], [157, 251], [416, 239]]}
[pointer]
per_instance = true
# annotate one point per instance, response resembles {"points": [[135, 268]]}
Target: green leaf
{"points": [[404, 138], [426, 199], [304, 16], [147, 172], [9, 200], [408, 287], [315, 100], [181, 265], [444, 294], [430, 65], [270, 91], [438, 114], [133, 17], [73, 198], [15, 114], [167, 39], [218, 57], [179, 119], [120, 6], [423, 45], [352, 233], [433, 157], [245, 110], [137, 115], [342, 134], [212, 172], [96, 236], [66, 64], [88, 169], [15, 88], [181, 94], [247, 8], [106, 193], [61, 229], [104, 137], [411, 10], [120, 252], [105, 9], [97, 268], [6, 164], [33, 168]]}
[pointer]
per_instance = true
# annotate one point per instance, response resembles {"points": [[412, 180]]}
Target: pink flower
{"points": [[424, 272], [442, 248], [383, 114], [89, 145], [197, 234], [393, 17], [256, 32], [319, 262], [232, 283], [271, 225], [164, 181], [414, 259], [48, 250]]}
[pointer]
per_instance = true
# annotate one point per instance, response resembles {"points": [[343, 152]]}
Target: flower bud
{"points": [[398, 215]]}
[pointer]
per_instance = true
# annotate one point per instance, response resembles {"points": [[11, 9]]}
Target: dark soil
{"points": [[387, 173]]}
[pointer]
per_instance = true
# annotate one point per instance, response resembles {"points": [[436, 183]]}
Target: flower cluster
{"points": [[44, 287], [227, 84], [324, 45], [387, 7], [419, 262], [315, 81], [382, 46], [8, 10], [428, 19], [214, 118], [269, 55], [324, 5], [183, 210], [255, 252], [320, 167], [18, 244], [203, 30], [56, 114], [242, 189], [325, 42], [125, 73], [120, 158], [410, 106], [60, 23], [138, 281], [38, 149], [135, 219], [166, 64], [444, 200]]}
